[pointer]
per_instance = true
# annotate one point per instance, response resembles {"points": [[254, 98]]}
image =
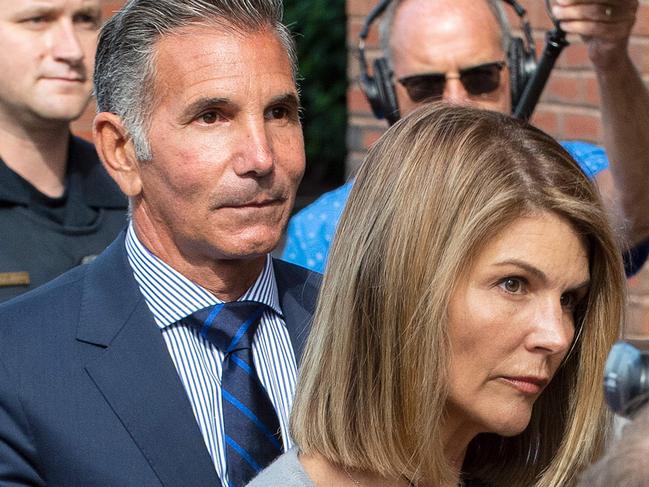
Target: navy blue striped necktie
{"points": [[252, 433]]}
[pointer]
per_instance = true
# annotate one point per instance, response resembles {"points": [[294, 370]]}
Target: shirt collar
{"points": [[84, 174], [171, 296]]}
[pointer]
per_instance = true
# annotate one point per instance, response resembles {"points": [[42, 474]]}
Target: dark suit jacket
{"points": [[89, 395]]}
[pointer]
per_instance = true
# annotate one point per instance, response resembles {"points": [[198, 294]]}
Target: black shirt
{"points": [[42, 237]]}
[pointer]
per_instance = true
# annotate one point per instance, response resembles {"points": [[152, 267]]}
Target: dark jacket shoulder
{"points": [[99, 189], [292, 276], [298, 290]]}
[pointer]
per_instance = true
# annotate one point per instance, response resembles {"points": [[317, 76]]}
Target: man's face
{"points": [[47, 51], [227, 147], [445, 36]]}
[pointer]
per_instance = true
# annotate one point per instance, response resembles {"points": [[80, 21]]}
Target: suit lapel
{"points": [[136, 375], [298, 292]]}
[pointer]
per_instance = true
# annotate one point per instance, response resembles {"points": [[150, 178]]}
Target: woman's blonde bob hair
{"points": [[373, 385]]}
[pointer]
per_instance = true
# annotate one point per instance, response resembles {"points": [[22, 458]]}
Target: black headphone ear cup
{"points": [[516, 64], [385, 90], [371, 92], [522, 66]]}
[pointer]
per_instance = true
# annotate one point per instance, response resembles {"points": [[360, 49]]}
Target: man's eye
{"points": [[513, 285], [36, 20], [278, 113], [87, 19], [209, 117]]}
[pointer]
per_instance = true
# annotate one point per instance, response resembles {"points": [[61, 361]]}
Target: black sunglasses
{"points": [[477, 80]]}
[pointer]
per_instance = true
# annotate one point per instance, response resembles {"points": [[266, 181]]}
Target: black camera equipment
{"points": [[626, 376], [527, 78], [555, 41]]}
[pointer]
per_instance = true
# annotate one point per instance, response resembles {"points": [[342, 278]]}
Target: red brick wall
{"points": [[568, 108], [83, 126]]}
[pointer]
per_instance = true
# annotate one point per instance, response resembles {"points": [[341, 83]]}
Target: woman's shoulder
{"points": [[286, 471]]}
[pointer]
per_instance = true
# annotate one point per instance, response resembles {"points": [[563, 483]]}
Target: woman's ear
{"points": [[115, 149]]}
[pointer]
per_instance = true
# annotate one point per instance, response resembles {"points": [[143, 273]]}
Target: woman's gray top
{"points": [[286, 471]]}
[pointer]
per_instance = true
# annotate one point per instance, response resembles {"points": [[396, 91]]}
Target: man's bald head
{"points": [[446, 36]]}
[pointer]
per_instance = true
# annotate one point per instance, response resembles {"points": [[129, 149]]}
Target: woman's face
{"points": [[511, 323]]}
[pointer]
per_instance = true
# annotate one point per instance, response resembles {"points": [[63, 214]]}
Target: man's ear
{"points": [[115, 149]]}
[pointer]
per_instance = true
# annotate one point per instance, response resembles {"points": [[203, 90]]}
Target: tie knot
{"points": [[230, 326]]}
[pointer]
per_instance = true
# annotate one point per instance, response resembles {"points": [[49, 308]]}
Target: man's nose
{"points": [[64, 40], [454, 91], [257, 156], [552, 329]]}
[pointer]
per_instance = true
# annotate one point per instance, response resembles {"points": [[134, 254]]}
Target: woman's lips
{"points": [[526, 385]]}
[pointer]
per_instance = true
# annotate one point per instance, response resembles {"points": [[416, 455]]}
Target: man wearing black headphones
{"points": [[462, 51]]}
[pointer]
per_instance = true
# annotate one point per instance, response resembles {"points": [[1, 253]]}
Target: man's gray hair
{"points": [[387, 21], [125, 62]]}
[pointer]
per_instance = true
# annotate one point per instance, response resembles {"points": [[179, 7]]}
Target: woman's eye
{"points": [[568, 301], [512, 285]]}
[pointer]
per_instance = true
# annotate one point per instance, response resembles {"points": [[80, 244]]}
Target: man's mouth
{"points": [[68, 79], [261, 203]]}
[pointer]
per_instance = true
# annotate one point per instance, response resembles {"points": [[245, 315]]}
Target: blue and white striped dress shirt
{"points": [[172, 297]]}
